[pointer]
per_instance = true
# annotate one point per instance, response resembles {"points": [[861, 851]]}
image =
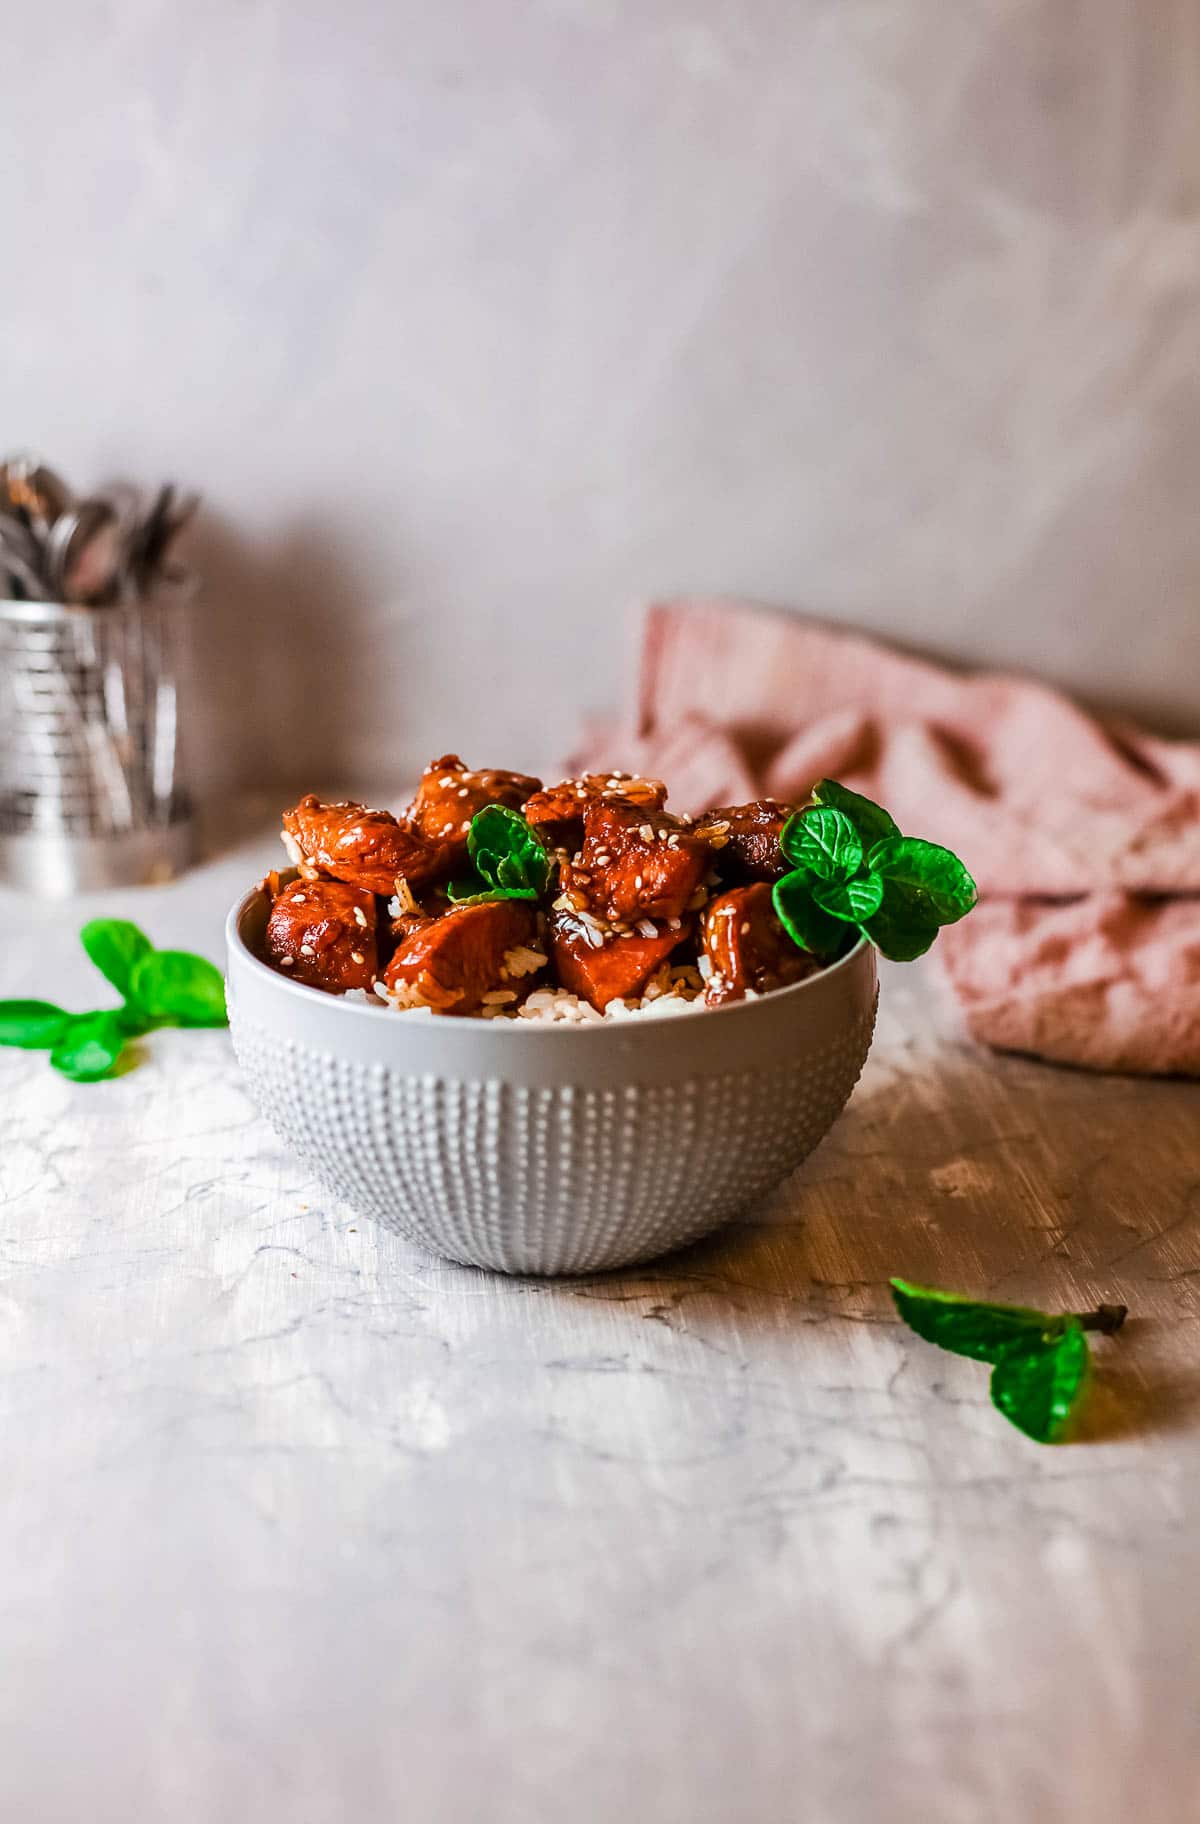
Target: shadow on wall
{"points": [[275, 686]]}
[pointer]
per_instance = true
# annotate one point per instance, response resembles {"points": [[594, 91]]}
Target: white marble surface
{"points": [[299, 1524], [476, 323]]}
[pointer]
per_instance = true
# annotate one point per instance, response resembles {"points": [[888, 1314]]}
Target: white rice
{"points": [[522, 960], [672, 990]]}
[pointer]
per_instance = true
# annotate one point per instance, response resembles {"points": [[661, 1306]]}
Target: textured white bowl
{"points": [[540, 1149]]}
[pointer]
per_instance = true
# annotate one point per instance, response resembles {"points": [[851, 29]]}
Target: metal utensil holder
{"points": [[90, 787]]}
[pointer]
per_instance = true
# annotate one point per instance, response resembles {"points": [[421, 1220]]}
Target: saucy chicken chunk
{"points": [[615, 967], [322, 933], [450, 795], [557, 812], [451, 963], [639, 864], [365, 848], [747, 947], [751, 849]]}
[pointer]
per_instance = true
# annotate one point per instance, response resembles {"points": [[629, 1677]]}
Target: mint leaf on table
{"points": [[850, 863], [1038, 1385], [115, 946], [175, 985], [160, 987], [1041, 1362], [966, 1325], [89, 1046], [33, 1025], [508, 856]]}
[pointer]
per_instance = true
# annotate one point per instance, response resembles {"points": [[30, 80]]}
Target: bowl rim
{"points": [[532, 1031]]}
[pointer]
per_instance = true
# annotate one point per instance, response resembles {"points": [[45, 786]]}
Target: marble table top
{"points": [[301, 1524]]}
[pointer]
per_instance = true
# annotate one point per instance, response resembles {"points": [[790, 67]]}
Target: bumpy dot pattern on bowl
{"points": [[570, 1179]]}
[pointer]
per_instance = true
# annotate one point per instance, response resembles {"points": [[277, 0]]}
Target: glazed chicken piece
{"points": [[639, 864], [751, 848], [453, 963], [748, 947], [557, 812], [322, 933], [610, 968], [450, 795], [365, 848]]}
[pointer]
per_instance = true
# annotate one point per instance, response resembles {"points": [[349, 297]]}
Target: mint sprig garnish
{"points": [[158, 988], [509, 859], [1040, 1363], [852, 866]]}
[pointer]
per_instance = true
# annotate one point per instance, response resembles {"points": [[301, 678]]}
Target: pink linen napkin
{"points": [[1084, 837]]}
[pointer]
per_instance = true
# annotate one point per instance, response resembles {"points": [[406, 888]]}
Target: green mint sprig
{"points": [[1040, 1363], [508, 857], [851, 866], [157, 987]]}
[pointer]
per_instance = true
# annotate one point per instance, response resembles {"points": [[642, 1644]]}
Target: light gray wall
{"points": [[477, 322]]}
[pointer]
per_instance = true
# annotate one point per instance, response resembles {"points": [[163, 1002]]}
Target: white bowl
{"points": [[540, 1149]]}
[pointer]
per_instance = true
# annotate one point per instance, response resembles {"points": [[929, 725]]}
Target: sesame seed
{"points": [[360, 917], [306, 950], [466, 792], [744, 927], [638, 882], [287, 962], [646, 832], [356, 956], [299, 899]]}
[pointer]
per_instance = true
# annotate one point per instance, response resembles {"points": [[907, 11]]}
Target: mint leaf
{"points": [[116, 947], [476, 892], [89, 1046], [806, 923], [937, 883], [853, 900], [33, 1025], [823, 842], [905, 925], [966, 1325], [509, 859], [869, 819], [1040, 1363], [1037, 1385], [174, 985], [900, 897]]}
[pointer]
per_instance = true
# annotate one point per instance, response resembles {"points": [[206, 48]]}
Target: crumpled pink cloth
{"points": [[1084, 837]]}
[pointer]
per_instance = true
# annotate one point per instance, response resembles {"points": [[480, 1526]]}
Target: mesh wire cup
{"points": [[90, 787]]}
